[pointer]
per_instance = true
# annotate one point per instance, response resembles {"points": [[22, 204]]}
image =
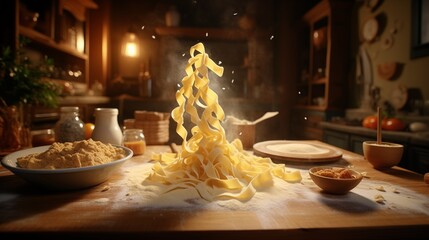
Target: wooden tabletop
{"points": [[103, 212]]}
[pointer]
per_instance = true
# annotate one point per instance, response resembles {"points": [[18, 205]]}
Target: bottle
{"points": [[106, 128], [145, 82], [69, 127], [172, 17], [135, 140]]}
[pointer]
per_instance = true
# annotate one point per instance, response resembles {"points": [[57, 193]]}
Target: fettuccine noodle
{"points": [[207, 162]]}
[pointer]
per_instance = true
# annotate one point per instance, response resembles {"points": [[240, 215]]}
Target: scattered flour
{"points": [[101, 200], [278, 198]]}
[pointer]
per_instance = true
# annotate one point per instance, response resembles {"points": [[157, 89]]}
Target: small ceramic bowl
{"points": [[337, 184], [383, 155]]}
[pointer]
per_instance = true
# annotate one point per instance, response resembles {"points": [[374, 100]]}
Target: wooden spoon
{"points": [[378, 125], [265, 116]]}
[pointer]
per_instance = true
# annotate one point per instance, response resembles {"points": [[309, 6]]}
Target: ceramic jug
{"points": [[107, 129]]}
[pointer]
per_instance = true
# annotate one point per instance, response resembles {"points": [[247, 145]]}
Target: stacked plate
{"points": [[155, 125]]}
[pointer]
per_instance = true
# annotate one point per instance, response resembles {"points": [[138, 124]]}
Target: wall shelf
{"points": [[204, 33], [324, 41], [41, 38]]}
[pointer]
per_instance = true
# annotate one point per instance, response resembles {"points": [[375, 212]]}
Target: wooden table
{"points": [[26, 211]]}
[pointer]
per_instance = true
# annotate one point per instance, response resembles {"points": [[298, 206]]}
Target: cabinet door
{"points": [[305, 124], [356, 143], [418, 159], [338, 139]]}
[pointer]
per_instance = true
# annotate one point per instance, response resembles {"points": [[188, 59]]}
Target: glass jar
{"points": [[135, 140], [106, 128], [69, 127]]}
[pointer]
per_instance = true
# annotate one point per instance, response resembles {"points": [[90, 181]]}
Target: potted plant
{"points": [[22, 85]]}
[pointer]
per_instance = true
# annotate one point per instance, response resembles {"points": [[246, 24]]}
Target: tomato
{"points": [[89, 127], [392, 124], [370, 122]]}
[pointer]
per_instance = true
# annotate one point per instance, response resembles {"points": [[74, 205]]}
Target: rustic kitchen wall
{"points": [[166, 54], [384, 31]]}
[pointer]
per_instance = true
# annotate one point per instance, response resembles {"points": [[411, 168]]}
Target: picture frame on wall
{"points": [[420, 28]]}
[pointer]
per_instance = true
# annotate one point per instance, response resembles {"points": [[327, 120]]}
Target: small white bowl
{"points": [[63, 179], [383, 155]]}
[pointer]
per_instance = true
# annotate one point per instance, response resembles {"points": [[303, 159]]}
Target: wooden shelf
{"points": [[311, 107], [203, 33], [319, 81], [45, 40], [325, 96]]}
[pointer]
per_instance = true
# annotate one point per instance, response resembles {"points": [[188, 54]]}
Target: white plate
{"points": [[63, 179], [297, 151]]}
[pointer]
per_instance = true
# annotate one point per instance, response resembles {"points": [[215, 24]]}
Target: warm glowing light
{"points": [[80, 43], [130, 45], [316, 34], [131, 49]]}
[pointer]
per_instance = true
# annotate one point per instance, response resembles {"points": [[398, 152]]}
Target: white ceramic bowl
{"points": [[384, 155], [63, 179]]}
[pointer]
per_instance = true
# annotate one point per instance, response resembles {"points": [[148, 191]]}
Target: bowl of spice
{"points": [[335, 180]]}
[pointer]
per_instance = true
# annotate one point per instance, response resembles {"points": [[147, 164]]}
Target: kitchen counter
{"points": [[109, 211], [86, 104], [416, 145], [71, 100], [421, 138]]}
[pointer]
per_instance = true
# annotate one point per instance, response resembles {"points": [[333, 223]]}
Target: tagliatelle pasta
{"points": [[207, 162]]}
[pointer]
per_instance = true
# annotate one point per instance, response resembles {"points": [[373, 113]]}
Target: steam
{"points": [[248, 64]]}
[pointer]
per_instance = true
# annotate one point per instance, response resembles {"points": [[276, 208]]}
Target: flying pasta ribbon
{"points": [[207, 162]]}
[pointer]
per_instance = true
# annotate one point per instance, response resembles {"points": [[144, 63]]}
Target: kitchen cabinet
{"points": [[320, 90], [55, 29], [420, 156], [414, 158]]}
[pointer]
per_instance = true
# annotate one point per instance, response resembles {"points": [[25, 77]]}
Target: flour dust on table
{"points": [[368, 196]]}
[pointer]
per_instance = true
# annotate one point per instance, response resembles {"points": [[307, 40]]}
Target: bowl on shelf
{"points": [[382, 155], [335, 180]]}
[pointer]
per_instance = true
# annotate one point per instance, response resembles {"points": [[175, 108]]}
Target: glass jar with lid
{"points": [[69, 127], [135, 140]]}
